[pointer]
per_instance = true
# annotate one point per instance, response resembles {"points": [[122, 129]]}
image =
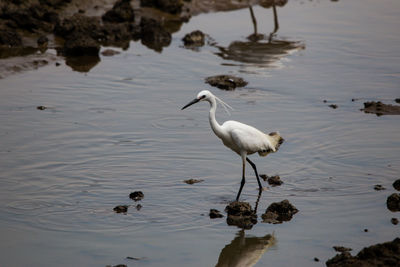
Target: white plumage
{"points": [[241, 138]]}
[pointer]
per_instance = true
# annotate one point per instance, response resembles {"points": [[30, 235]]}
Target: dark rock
{"points": [[341, 249], [396, 185], [366, 230], [316, 259], [394, 221], [385, 254], [397, 100], [334, 106], [154, 35], [226, 82], [270, 217], [121, 209], [241, 214], [169, 6], [122, 11], [380, 108], [136, 196], [9, 38], [264, 177], [41, 107], [79, 24], [110, 52], [193, 181], [42, 41], [278, 212], [274, 180], [393, 202], [80, 45], [379, 187], [195, 38], [138, 207], [215, 214]]}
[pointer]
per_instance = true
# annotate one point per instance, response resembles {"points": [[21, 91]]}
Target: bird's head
{"points": [[204, 95]]}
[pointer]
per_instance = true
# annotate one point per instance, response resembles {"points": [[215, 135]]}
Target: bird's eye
{"points": [[203, 96]]}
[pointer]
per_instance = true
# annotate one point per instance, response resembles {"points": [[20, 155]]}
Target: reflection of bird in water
{"points": [[244, 251], [257, 52], [241, 138]]}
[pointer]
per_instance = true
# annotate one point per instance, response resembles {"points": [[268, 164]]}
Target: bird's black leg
{"points": [[241, 183], [255, 170], [258, 200]]}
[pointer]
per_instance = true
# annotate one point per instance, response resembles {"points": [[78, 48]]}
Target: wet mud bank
{"points": [[385, 254], [380, 108], [77, 30]]}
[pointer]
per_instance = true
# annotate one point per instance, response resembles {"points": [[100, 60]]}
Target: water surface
{"points": [[119, 128]]}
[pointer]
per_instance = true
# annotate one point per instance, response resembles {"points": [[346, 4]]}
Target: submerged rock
{"points": [[121, 209], [334, 106], [193, 181], [380, 108], [226, 82], [385, 254], [393, 202], [396, 185], [110, 52], [278, 212], [136, 196], [195, 38], [41, 107], [122, 11], [215, 214], [274, 180], [342, 249], [241, 214], [379, 187]]}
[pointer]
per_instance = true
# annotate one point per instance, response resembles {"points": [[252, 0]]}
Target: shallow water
{"points": [[119, 128]]}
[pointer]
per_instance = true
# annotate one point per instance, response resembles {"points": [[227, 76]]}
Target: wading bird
{"points": [[241, 138]]}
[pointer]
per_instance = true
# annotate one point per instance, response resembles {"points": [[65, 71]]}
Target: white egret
{"points": [[241, 138]]}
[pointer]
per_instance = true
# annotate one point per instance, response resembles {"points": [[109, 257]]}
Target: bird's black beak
{"points": [[194, 101]]}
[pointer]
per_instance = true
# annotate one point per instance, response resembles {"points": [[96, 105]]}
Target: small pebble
{"points": [[316, 259], [121, 209], [334, 106], [41, 107], [394, 221], [136, 196], [379, 187], [193, 181], [215, 214]]}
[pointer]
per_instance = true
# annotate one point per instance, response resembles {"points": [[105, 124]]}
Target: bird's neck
{"points": [[217, 129]]}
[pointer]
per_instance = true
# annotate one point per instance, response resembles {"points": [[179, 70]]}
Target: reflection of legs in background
{"points": [[276, 23], [256, 36]]}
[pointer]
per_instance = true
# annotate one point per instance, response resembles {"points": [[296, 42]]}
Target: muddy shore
{"points": [[35, 33]]}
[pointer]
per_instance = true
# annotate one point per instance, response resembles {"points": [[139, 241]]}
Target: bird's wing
{"points": [[247, 139]]}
